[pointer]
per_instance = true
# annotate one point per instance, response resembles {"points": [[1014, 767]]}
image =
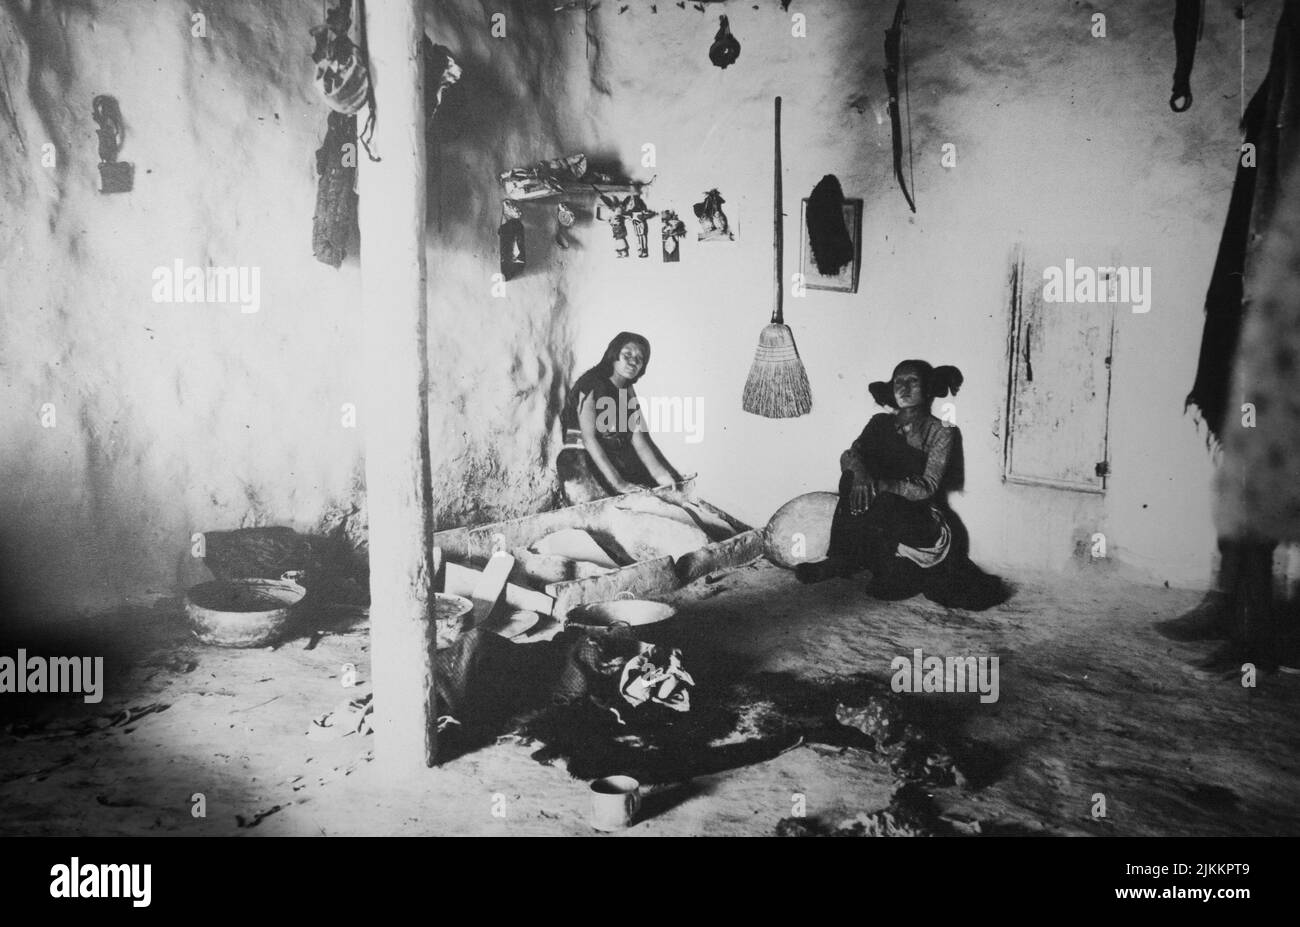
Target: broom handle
{"points": [[778, 317]]}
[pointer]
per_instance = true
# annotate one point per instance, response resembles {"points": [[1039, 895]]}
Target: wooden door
{"points": [[1058, 392]]}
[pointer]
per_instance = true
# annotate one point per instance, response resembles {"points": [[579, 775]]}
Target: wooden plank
{"points": [[460, 580], [721, 555], [490, 590], [396, 411], [454, 543], [479, 543], [649, 578]]}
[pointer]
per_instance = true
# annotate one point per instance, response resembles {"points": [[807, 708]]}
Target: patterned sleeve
{"points": [[938, 446]]}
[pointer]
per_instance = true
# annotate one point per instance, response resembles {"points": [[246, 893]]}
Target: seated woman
{"points": [[607, 448], [890, 519]]}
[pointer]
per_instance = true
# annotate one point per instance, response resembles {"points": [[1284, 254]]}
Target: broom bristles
{"points": [[778, 384]]}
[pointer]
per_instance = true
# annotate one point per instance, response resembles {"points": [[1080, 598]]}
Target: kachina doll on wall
{"points": [[564, 219], [714, 225], [640, 214], [674, 230], [511, 233], [613, 210]]}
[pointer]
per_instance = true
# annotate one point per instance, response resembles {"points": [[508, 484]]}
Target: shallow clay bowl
{"points": [[634, 612], [241, 612]]}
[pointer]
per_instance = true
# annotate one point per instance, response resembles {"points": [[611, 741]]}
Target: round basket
{"points": [[241, 612]]}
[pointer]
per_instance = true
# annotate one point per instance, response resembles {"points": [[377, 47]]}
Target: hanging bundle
{"points": [[341, 77], [440, 72], [893, 57], [1187, 32], [778, 384], [725, 49]]}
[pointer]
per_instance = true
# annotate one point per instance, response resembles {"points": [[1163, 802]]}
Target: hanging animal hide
{"points": [[828, 236], [440, 72], [893, 55], [725, 49], [335, 221]]}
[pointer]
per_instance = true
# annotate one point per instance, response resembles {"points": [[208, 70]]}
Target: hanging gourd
{"points": [[341, 77], [725, 49]]}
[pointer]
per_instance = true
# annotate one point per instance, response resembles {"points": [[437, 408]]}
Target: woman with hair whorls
{"points": [[607, 447], [891, 518]]}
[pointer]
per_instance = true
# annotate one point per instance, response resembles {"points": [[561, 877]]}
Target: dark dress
{"points": [[617, 417], [909, 464], [905, 537]]}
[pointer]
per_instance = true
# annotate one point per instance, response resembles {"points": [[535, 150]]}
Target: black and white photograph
{"points": [[587, 418]]}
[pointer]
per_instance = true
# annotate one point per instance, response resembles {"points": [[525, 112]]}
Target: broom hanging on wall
{"points": [[778, 385]]}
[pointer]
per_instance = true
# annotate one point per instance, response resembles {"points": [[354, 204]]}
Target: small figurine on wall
{"points": [[613, 210], [114, 176], [511, 233], [714, 225], [640, 214], [564, 218], [674, 230]]}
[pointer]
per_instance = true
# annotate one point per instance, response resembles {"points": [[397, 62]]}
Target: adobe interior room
{"points": [[720, 417]]}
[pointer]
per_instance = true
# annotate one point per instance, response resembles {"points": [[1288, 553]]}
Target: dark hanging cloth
{"points": [[335, 221], [828, 236], [1187, 31], [1223, 299], [1258, 494]]}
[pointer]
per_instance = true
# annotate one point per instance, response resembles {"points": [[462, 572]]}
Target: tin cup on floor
{"points": [[615, 800]]}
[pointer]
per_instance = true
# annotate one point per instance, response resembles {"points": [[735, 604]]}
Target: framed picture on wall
{"points": [[846, 280]]}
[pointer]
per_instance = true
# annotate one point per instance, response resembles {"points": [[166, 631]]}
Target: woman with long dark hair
{"points": [[891, 519], [607, 447]]}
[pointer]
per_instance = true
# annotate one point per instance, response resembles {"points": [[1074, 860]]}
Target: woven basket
{"points": [[350, 83]]}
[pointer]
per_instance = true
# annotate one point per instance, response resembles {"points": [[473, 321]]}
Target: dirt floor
{"points": [[1093, 702]]}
